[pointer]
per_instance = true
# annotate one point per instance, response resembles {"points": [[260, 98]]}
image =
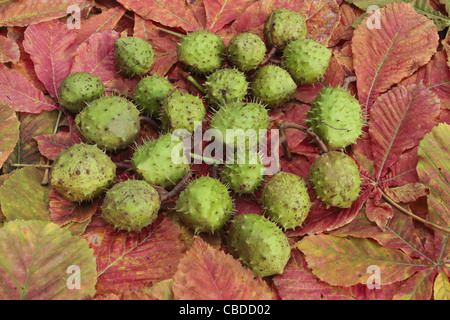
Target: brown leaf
{"points": [[407, 193]]}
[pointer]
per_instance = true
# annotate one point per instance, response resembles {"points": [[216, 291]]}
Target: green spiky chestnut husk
{"points": [[78, 89], [285, 200], [111, 122], [273, 86], [201, 51], [226, 85], [283, 26], [259, 244], [205, 205], [240, 116], [133, 56], [245, 175], [131, 205], [306, 60], [150, 91], [154, 162], [336, 117], [82, 172], [246, 51], [181, 111], [335, 179]]}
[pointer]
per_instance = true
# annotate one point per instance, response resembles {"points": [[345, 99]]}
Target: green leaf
{"points": [[433, 169], [31, 125], [23, 197], [441, 287], [39, 260]]}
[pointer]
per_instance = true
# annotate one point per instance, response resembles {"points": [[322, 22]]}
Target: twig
{"points": [[284, 141], [196, 85], [45, 179], [176, 34], [180, 185], [269, 56], [347, 81], [31, 165], [123, 165], [395, 204], [215, 172], [275, 60], [153, 124]]}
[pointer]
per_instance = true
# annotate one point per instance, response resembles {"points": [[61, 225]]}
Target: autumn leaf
{"points": [[131, 261], [434, 171], [10, 132], [9, 50], [63, 211], [51, 46], [26, 150], [205, 273], [405, 41], [399, 120], [19, 93], [298, 283], [441, 287], [344, 261], [23, 197], [37, 259], [418, 287], [103, 22], [435, 76], [221, 12], [167, 12], [50, 145], [25, 12]]}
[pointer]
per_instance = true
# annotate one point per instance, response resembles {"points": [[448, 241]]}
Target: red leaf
{"points": [[405, 41], [205, 273], [102, 22], [344, 30], [435, 75], [135, 260], [398, 121], [51, 46], [63, 211], [379, 212], [167, 12], [19, 93], [50, 145], [221, 12], [9, 50], [321, 219]]}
